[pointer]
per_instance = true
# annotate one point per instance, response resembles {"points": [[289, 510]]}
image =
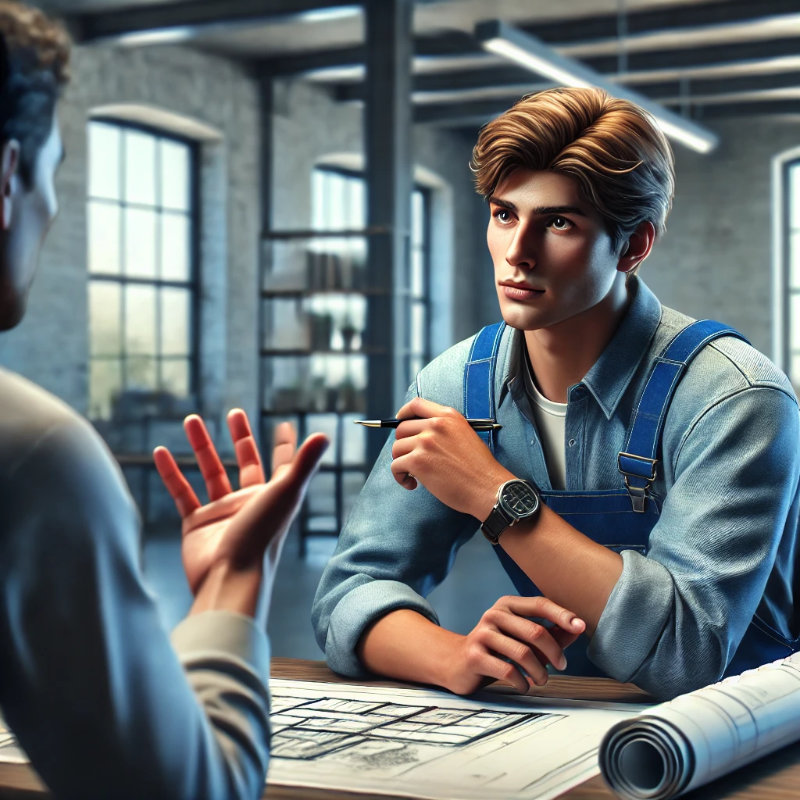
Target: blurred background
{"points": [[267, 204]]}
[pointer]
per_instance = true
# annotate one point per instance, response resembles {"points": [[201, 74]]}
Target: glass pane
{"points": [[175, 376], [418, 328], [794, 334], [321, 502], [140, 319], [352, 483], [794, 196], [327, 424], [417, 219], [794, 259], [318, 206], [356, 211], [354, 440], [140, 168], [140, 243], [794, 373], [417, 273], [174, 175], [105, 336], [141, 373], [104, 141], [104, 237], [105, 383], [175, 247], [175, 322]]}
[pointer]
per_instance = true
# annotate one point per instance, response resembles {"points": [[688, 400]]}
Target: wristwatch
{"points": [[516, 500]]}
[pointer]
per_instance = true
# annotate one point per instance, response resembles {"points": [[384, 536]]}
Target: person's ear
{"points": [[9, 164], [637, 247]]}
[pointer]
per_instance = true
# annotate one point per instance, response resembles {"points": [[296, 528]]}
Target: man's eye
{"points": [[502, 215], [560, 223]]}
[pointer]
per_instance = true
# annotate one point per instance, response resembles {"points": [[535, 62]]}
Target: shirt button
{"points": [[571, 443]]}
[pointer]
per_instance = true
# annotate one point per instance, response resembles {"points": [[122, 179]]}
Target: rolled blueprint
{"points": [[697, 737]]}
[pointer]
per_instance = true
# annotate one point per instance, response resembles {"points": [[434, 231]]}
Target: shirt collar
{"points": [[611, 374]]}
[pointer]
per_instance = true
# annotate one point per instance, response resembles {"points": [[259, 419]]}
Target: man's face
{"points": [[553, 258], [33, 209]]}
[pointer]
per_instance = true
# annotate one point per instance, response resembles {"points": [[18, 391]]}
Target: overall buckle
{"points": [[639, 473]]}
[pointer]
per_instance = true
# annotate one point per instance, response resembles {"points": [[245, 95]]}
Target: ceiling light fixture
{"points": [[511, 43]]}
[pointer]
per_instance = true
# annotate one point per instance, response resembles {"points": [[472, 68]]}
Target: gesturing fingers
{"points": [[178, 487], [214, 475], [251, 472], [284, 446]]}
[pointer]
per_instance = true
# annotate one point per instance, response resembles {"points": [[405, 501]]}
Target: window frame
{"points": [[193, 282]]}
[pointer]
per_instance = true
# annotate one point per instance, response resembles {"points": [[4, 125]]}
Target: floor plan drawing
{"points": [[432, 744]]}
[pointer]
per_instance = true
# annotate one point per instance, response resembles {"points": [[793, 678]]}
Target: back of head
{"points": [[34, 65], [615, 151]]}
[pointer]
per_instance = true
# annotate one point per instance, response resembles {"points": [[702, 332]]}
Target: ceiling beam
{"points": [[462, 45], [518, 81], [669, 18], [192, 17]]}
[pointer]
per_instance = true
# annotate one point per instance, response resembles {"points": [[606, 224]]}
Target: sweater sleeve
{"points": [[97, 695]]}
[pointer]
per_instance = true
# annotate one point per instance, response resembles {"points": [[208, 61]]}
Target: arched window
{"points": [[142, 272]]}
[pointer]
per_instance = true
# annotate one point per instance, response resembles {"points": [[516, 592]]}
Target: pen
{"points": [[475, 424]]}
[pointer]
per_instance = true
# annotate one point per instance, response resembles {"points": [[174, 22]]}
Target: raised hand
{"points": [[238, 534], [507, 645]]}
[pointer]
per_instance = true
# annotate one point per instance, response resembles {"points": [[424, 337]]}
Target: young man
{"points": [[672, 564], [103, 703]]}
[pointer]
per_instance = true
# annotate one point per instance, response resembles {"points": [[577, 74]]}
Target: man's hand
{"points": [[237, 536], [437, 448], [506, 645]]}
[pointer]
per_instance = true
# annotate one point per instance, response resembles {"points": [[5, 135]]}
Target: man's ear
{"points": [[637, 247], [9, 163]]}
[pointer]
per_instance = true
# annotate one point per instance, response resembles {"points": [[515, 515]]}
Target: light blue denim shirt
{"points": [[722, 551]]}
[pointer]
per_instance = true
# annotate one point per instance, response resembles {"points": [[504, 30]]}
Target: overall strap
{"points": [[479, 377], [638, 461]]}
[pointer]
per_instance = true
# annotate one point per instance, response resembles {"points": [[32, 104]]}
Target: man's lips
{"points": [[520, 291]]}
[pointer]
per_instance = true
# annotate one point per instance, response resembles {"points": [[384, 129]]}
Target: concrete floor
{"points": [[476, 581]]}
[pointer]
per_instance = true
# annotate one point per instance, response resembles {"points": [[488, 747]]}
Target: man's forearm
{"points": [[566, 566], [406, 645]]}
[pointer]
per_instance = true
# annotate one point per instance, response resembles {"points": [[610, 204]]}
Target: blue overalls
{"points": [[620, 519]]}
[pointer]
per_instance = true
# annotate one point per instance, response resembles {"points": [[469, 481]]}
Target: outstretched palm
{"points": [[238, 527]]}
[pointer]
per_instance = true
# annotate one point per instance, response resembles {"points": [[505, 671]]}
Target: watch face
{"points": [[519, 498]]}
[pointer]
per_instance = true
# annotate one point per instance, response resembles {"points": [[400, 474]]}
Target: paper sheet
{"points": [[701, 735], [434, 745]]}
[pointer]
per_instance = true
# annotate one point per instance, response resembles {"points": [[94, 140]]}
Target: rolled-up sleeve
{"points": [[677, 615], [395, 548]]}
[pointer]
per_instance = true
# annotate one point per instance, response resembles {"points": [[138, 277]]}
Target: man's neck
{"points": [[561, 355]]}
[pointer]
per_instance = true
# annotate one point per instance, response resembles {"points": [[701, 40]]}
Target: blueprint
{"points": [[432, 744]]}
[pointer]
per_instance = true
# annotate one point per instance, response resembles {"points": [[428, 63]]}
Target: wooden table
{"points": [[776, 777]]}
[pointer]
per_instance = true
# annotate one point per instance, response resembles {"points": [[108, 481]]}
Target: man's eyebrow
{"points": [[541, 210], [544, 210], [496, 201]]}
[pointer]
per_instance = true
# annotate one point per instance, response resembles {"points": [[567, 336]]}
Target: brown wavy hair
{"points": [[34, 66], [621, 160]]}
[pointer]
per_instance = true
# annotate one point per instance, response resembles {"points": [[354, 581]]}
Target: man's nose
{"points": [[521, 250]]}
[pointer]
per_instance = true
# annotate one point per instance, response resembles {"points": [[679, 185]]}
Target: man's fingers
{"points": [[308, 456], [214, 475], [178, 487], [519, 652], [251, 472], [528, 634], [494, 666], [284, 445], [546, 609]]}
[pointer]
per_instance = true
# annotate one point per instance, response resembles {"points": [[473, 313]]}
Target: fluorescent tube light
{"points": [[528, 51]]}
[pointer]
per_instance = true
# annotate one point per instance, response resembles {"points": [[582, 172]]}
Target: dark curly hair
{"points": [[34, 66]]}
